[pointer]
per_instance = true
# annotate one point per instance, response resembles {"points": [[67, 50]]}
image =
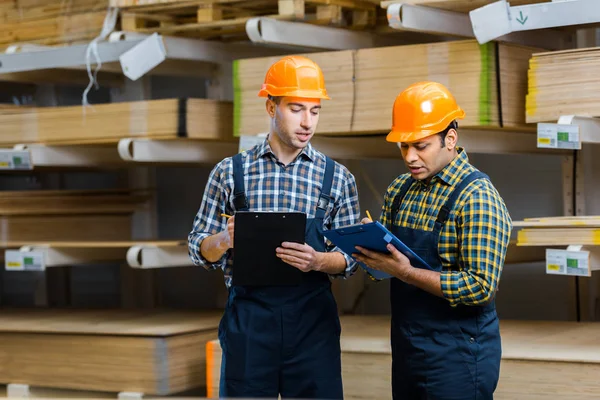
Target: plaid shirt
{"points": [[475, 237], [271, 186]]}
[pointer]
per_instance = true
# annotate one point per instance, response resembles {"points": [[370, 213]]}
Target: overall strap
{"points": [[325, 196], [240, 201], [399, 197], [444, 212]]}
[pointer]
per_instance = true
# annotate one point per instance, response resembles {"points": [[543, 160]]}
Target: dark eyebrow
{"points": [[302, 105]]}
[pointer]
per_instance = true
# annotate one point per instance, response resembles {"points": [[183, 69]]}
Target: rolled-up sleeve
{"points": [[483, 232], [208, 221], [347, 212]]}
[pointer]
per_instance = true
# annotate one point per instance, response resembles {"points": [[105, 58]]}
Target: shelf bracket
{"points": [[411, 17], [270, 31], [498, 19], [175, 151], [145, 256]]}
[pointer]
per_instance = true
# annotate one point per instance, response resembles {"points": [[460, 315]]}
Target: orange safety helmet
{"points": [[294, 76], [423, 109]]}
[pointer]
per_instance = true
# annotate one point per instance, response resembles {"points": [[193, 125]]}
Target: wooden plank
{"points": [[152, 352], [489, 83], [158, 119], [563, 83]]}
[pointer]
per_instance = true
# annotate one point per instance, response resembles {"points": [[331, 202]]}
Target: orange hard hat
{"points": [[294, 76], [423, 109]]}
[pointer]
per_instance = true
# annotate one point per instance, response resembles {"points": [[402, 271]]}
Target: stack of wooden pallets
{"points": [[50, 22], [225, 19]]}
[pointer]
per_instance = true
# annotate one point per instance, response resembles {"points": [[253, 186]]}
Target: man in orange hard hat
{"points": [[445, 335], [281, 340]]}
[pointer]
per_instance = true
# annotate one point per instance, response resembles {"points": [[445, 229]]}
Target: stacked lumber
{"points": [[489, 81], [559, 231], [67, 215], [110, 122], [225, 19], [458, 5], [50, 22], [541, 359], [155, 352], [563, 83]]}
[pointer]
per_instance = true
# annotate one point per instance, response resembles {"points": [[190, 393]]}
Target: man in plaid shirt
{"points": [[281, 340], [445, 333]]}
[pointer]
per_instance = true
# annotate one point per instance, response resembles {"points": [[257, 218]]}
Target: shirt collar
{"points": [[452, 172], [265, 149]]}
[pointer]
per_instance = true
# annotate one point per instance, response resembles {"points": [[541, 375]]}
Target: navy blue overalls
{"points": [[283, 340], [438, 351]]}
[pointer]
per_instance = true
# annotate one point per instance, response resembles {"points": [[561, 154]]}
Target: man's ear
{"points": [[270, 106], [451, 139]]}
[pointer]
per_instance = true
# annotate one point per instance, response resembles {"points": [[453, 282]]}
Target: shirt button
{"points": [[472, 340]]}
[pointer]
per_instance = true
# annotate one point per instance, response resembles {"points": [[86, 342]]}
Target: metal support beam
{"points": [[175, 151], [69, 156], [497, 19], [269, 31], [176, 49], [409, 17], [158, 256], [58, 255]]}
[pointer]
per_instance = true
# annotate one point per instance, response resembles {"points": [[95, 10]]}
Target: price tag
{"points": [[249, 141], [566, 262], [15, 260], [557, 136], [15, 160]]}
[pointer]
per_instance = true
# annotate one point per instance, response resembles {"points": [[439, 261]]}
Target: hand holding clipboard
{"points": [[375, 237]]}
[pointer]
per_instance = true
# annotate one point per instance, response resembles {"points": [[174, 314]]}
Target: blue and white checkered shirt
{"points": [[272, 186]]}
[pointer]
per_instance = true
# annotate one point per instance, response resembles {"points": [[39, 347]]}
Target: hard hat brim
{"points": [[306, 94]]}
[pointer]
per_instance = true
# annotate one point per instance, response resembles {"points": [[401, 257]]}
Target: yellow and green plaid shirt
{"points": [[475, 238]]}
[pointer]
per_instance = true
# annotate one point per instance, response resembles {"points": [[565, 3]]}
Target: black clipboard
{"points": [[256, 238]]}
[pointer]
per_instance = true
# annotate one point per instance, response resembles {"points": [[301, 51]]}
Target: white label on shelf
{"points": [[565, 262], [15, 159], [249, 141], [142, 58], [558, 136], [15, 260]]}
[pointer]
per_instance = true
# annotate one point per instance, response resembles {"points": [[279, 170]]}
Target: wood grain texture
{"points": [[563, 83], [489, 83], [157, 352], [109, 122]]}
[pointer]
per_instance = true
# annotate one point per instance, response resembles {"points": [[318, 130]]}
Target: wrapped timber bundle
{"points": [[50, 22], [489, 82], [77, 215], [154, 352], [540, 360], [563, 83], [110, 122]]}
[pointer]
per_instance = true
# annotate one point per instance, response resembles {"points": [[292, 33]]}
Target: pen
{"points": [[369, 215], [226, 215]]}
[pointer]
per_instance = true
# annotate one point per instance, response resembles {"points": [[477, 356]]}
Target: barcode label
{"points": [[555, 136]]}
